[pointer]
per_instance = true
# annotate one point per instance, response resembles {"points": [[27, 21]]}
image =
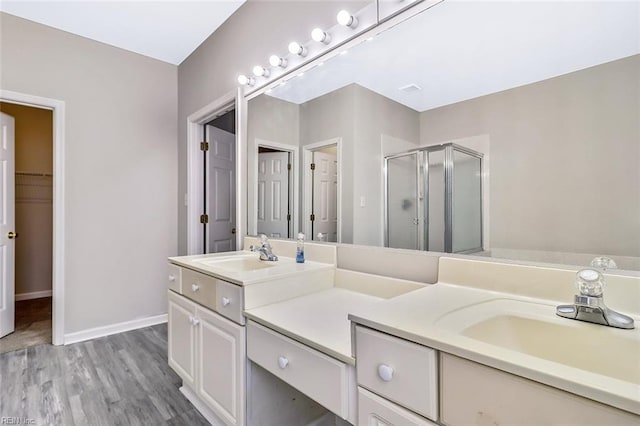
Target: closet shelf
{"points": [[34, 174]]}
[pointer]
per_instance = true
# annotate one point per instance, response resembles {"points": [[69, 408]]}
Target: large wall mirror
{"points": [[505, 129]]}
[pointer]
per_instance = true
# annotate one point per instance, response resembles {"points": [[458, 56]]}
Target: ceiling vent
{"points": [[410, 88]]}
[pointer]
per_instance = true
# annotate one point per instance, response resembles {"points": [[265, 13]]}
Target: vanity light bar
{"points": [[296, 48], [260, 71], [347, 19], [344, 18], [246, 81], [277, 61], [320, 36]]}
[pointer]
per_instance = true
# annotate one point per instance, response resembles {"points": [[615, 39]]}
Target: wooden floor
{"points": [[121, 379], [32, 326]]}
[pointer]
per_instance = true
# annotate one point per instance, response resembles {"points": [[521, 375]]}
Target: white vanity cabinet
{"points": [[472, 393], [206, 347], [399, 371], [324, 379], [376, 411]]}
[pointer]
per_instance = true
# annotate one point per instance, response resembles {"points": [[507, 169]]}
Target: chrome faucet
{"points": [[265, 250], [589, 304]]}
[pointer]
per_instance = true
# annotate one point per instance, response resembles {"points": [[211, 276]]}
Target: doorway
{"points": [[30, 260], [219, 224], [323, 176]]}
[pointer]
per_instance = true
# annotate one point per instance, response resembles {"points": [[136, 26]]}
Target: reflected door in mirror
{"points": [[273, 194], [325, 196]]}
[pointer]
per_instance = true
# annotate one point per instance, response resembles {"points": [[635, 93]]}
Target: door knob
{"points": [[233, 230], [12, 235]]}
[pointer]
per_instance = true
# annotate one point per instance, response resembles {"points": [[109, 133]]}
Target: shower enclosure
{"points": [[433, 199]]}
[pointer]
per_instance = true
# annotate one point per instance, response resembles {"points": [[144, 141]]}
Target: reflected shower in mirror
{"points": [[433, 200], [546, 95]]}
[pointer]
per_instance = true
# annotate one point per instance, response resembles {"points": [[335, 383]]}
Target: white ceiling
{"points": [[460, 50], [164, 30]]}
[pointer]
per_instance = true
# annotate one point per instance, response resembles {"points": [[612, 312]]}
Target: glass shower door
{"points": [[402, 206], [467, 202]]}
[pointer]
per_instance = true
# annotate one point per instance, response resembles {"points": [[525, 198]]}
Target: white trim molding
{"points": [[107, 330], [58, 274], [195, 171], [33, 295]]}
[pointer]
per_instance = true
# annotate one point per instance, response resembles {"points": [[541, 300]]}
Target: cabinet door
{"points": [[221, 354], [182, 337], [476, 394], [376, 411]]}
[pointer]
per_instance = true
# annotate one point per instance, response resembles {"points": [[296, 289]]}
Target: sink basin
{"points": [[244, 264], [535, 330], [237, 263]]}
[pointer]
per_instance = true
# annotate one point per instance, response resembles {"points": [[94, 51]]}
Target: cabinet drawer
{"points": [[229, 301], [199, 287], [401, 371], [174, 278], [476, 394], [376, 411], [320, 377]]}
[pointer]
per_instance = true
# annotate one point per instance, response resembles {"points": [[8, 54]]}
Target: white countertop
{"points": [[414, 316], [283, 267], [318, 320]]}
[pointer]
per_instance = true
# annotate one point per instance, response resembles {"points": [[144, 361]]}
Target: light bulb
{"points": [[277, 61], [347, 19], [320, 36], [296, 48], [246, 81], [260, 71]]}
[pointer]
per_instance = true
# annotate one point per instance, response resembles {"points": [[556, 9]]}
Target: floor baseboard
{"points": [[94, 333], [33, 295]]}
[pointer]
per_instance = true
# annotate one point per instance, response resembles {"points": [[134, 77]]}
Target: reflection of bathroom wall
{"points": [[375, 116], [274, 120], [34, 199], [270, 119], [361, 118], [540, 200], [331, 116]]}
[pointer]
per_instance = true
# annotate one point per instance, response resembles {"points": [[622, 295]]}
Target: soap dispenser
{"points": [[300, 248]]}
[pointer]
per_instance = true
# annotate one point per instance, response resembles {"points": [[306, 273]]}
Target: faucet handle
{"points": [[590, 282], [603, 263]]}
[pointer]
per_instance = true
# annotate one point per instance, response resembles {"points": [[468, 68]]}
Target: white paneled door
{"points": [[273, 194], [222, 190], [7, 223], [325, 196]]}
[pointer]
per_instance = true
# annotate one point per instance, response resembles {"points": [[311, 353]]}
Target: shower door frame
{"points": [[422, 173]]}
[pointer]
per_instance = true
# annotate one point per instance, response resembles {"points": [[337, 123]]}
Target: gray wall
{"points": [[327, 117], [121, 174], [375, 116], [360, 118], [255, 31], [571, 142]]}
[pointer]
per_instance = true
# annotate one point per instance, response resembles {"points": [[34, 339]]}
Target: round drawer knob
{"points": [[385, 372], [283, 362], [172, 278], [225, 301], [194, 321], [195, 287]]}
